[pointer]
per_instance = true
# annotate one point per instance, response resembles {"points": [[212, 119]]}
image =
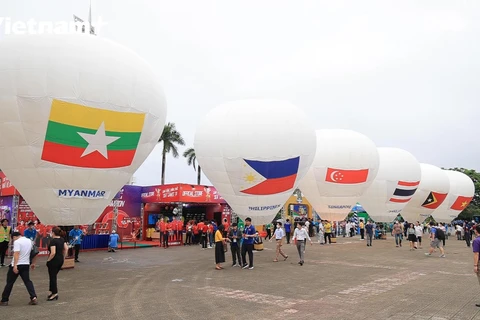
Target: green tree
{"points": [[192, 161], [473, 208], [170, 138]]}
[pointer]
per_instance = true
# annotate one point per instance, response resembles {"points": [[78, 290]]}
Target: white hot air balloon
{"points": [[255, 152], [396, 182], [430, 194], [79, 115], [459, 196], [346, 162]]}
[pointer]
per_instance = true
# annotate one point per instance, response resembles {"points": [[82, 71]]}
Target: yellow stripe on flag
{"points": [[87, 117]]}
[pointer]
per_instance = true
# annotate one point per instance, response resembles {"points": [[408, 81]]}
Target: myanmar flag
{"points": [[87, 137]]}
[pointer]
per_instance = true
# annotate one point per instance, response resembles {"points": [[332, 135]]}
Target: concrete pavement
{"points": [[346, 280]]}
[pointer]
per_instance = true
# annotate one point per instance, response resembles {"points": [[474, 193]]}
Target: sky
{"points": [[404, 73]]}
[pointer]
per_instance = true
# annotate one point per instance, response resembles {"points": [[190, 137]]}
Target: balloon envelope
{"points": [[397, 179], [346, 162], [459, 196], [431, 193], [79, 114], [255, 152]]}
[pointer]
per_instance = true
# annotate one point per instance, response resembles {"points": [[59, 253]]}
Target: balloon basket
{"points": [[334, 240], [258, 246]]}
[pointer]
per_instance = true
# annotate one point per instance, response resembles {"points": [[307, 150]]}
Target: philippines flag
{"points": [[269, 177], [404, 191]]}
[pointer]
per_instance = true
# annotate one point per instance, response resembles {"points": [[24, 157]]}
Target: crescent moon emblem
{"points": [[332, 175]]}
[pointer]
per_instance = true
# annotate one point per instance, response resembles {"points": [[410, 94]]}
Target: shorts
{"points": [[436, 243]]}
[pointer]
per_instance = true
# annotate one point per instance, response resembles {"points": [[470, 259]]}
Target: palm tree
{"points": [[192, 159], [170, 138]]}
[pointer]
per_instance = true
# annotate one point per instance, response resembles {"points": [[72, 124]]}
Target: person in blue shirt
{"points": [[288, 230], [369, 229], [75, 236], [30, 233], [113, 243], [249, 234]]}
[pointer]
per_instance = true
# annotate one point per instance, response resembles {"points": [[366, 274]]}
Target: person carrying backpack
{"points": [[436, 236]]}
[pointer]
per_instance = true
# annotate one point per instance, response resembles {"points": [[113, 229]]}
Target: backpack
{"points": [[439, 234]]}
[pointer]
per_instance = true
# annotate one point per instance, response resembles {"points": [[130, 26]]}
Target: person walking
{"points": [[75, 236], [279, 235], [369, 229], [5, 236], [328, 232], [58, 250], [20, 266], [418, 234], [362, 230], [321, 232], [288, 230], [476, 254], [249, 234], [234, 236], [299, 237], [412, 237], [436, 240], [397, 231]]}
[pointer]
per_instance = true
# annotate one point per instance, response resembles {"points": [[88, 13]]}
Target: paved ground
{"points": [[347, 280]]}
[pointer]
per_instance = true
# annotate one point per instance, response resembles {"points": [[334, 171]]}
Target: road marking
{"points": [[253, 296], [357, 265]]}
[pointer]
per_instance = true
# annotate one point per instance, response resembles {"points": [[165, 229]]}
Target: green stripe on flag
{"points": [[68, 135]]}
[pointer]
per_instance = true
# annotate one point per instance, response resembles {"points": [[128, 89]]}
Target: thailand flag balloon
{"points": [[459, 197], [79, 115], [396, 182], [254, 152], [345, 165], [430, 194]]}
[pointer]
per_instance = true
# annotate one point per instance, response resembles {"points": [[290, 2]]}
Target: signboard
{"points": [[181, 193]]}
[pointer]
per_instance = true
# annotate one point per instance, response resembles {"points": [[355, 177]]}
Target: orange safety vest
{"points": [[4, 234]]}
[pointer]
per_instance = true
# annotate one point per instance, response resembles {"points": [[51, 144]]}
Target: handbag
{"points": [[34, 252], [225, 247]]}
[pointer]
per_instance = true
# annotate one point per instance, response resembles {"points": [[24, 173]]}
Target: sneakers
{"points": [[33, 302], [442, 256], [3, 303], [2, 265], [428, 254], [251, 268], [245, 266]]}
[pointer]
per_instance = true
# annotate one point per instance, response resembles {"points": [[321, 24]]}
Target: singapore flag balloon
{"points": [[78, 115], [255, 152], [430, 194], [459, 196], [345, 165], [396, 182]]}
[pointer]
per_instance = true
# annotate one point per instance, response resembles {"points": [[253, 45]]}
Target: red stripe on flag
{"points": [[408, 184], [399, 200], [346, 176], [272, 186], [72, 156]]}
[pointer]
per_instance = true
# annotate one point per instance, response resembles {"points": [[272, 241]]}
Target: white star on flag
{"points": [[97, 142]]}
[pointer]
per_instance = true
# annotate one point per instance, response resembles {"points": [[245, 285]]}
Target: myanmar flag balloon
{"points": [[78, 115]]}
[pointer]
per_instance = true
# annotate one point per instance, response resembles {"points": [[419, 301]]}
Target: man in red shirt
{"points": [[226, 225], [163, 233]]}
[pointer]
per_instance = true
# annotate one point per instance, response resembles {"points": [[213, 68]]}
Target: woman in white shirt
{"points": [[299, 237], [279, 234]]}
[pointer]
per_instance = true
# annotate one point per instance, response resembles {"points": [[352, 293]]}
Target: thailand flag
{"points": [[404, 191], [269, 177]]}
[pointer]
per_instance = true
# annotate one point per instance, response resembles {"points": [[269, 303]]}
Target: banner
{"points": [[6, 187], [181, 193], [129, 219], [6, 209]]}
